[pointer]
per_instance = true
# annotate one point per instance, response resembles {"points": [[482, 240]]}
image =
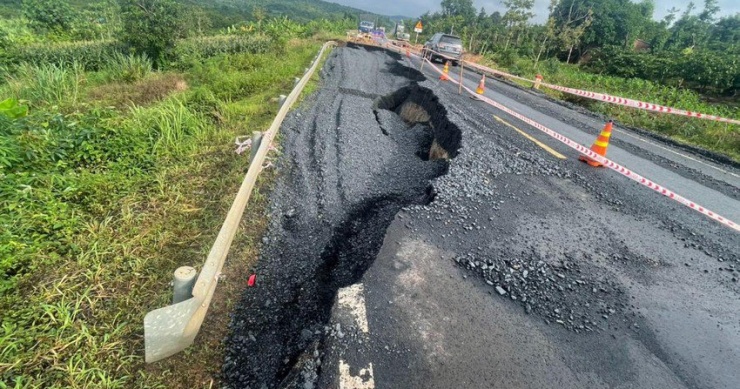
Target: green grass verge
{"points": [[98, 205]]}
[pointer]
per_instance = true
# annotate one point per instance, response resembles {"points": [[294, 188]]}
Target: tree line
{"points": [[690, 47]]}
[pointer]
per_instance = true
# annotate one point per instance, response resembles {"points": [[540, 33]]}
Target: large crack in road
{"points": [[485, 261], [366, 151]]}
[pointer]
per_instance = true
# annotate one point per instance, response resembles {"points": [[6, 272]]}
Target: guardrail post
{"points": [[183, 282], [256, 141]]}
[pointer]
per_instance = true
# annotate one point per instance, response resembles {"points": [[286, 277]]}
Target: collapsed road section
{"points": [[363, 149], [482, 260]]}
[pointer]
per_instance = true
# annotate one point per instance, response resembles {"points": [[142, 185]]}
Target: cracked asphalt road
{"points": [[502, 267]]}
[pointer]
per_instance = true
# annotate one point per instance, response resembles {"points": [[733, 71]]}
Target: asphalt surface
{"points": [[502, 266]]}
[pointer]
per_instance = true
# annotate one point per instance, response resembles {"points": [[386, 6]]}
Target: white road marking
{"points": [[363, 381], [677, 153], [353, 299]]}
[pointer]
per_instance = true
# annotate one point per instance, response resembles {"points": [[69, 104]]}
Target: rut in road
{"points": [[352, 161]]}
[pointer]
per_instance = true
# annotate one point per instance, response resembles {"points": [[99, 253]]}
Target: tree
{"points": [[50, 15], [710, 11], [151, 26], [566, 26], [668, 19], [462, 8], [516, 17]]}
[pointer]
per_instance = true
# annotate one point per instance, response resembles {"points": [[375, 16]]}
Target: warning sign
{"points": [[418, 26]]}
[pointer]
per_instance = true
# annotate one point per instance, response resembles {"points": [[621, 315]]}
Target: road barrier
{"points": [[623, 101], [171, 329], [603, 160], [587, 152]]}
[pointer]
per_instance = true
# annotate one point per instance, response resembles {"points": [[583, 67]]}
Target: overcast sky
{"points": [[415, 8]]}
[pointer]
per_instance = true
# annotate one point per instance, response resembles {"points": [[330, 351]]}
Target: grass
{"points": [[719, 137], [99, 205]]}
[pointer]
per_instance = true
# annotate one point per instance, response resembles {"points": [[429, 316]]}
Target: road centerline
{"points": [[537, 142]]}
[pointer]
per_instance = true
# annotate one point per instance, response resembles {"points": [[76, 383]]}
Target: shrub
{"points": [[91, 56], [168, 125], [702, 70], [128, 68], [151, 26], [48, 84], [189, 51]]}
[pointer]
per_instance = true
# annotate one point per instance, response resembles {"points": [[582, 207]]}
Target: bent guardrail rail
{"points": [[172, 329]]}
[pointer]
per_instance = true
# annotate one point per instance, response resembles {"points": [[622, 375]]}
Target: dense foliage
{"points": [[696, 49]]}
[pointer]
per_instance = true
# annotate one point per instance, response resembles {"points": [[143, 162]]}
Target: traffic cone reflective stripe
{"points": [[481, 85], [600, 145]]}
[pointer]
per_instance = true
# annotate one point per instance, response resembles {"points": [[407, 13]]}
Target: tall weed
{"points": [[128, 68], [168, 125], [48, 84]]}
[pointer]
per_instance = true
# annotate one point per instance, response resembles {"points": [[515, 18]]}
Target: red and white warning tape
{"points": [[606, 162], [623, 101]]}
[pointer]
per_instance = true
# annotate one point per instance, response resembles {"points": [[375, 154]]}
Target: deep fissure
{"points": [[294, 323]]}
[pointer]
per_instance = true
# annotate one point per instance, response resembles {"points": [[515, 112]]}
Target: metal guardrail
{"points": [[172, 329]]}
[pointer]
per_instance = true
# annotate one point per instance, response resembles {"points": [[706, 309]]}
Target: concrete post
{"points": [[281, 100], [183, 283], [256, 141]]}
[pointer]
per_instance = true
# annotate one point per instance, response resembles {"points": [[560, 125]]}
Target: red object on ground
{"points": [[252, 279]]}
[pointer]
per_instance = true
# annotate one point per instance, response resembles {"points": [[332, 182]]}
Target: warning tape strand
{"points": [[617, 100], [603, 160]]}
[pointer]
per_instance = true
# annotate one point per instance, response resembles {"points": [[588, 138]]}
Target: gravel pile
{"points": [[559, 292]]}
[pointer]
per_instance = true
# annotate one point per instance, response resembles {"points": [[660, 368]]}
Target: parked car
{"points": [[444, 47], [366, 26]]}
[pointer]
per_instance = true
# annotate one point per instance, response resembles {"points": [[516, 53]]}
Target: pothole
{"points": [[419, 107], [279, 327]]}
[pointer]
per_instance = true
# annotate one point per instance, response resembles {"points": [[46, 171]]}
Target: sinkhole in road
{"points": [[419, 106], [282, 324]]}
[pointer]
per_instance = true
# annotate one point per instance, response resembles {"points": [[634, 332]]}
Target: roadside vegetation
{"points": [[688, 60], [117, 166]]}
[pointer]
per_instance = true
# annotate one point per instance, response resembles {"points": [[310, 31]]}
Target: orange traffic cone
{"points": [[445, 71], [481, 85], [600, 145]]}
